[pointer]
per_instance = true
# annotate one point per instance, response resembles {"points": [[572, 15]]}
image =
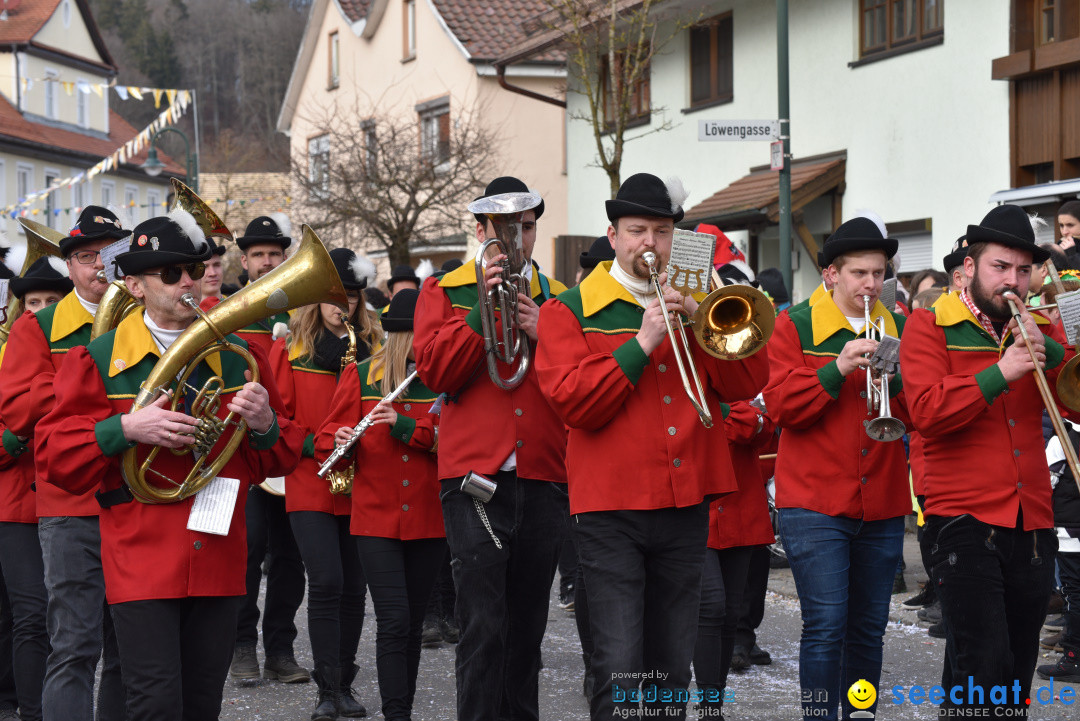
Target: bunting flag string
{"points": [[124, 92], [241, 202]]}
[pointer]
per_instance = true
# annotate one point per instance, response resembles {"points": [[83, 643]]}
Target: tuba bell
{"points": [[306, 277], [41, 240]]}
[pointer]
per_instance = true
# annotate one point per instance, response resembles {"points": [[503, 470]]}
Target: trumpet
{"points": [[885, 427], [360, 429], [687, 368]]}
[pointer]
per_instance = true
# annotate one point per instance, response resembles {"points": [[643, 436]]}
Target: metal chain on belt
{"points": [[486, 522]]}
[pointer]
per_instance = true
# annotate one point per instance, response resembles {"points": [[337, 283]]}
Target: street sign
{"points": [[738, 130], [776, 155]]}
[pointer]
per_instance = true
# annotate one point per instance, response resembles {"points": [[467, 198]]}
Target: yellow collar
{"points": [[818, 294], [599, 290], [466, 275], [69, 316], [133, 342], [827, 318], [296, 349], [951, 310], [374, 375], [3, 350]]}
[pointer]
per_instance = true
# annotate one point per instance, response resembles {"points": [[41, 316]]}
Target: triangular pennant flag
{"points": [[122, 91], [157, 98], [99, 89], [185, 98], [69, 86], [83, 86], [135, 92], [171, 95]]}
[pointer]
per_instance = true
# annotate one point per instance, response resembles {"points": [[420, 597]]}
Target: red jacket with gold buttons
{"points": [[983, 446], [307, 391], [40, 341], [147, 551], [742, 518], [826, 462], [635, 442], [482, 424], [396, 486]]}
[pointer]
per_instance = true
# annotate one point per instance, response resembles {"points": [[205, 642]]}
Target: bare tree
{"points": [[610, 46], [387, 182]]}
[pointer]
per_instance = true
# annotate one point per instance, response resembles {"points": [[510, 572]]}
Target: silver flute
{"points": [[361, 428]]}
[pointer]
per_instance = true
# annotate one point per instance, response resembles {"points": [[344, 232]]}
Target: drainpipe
{"points": [[501, 71]]}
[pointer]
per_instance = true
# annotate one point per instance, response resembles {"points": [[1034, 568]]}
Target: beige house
{"points": [[430, 60], [55, 121], [239, 198]]}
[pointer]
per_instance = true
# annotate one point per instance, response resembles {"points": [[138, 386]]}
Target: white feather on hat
{"points": [[362, 268], [125, 214], [424, 270], [191, 228], [16, 255], [283, 223], [677, 193], [59, 265], [1037, 224]]}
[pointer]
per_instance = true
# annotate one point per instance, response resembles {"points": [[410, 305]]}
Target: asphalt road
{"points": [[763, 692]]}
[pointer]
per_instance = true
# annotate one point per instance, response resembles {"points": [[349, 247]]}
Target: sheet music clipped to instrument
{"points": [[1069, 308], [212, 511], [690, 265]]}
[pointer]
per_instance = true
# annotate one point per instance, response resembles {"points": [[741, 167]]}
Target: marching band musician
{"points": [[641, 464], [396, 516], [503, 573], [173, 592], [841, 495], [973, 397], [43, 284], [262, 248], [79, 627], [215, 274], [306, 368]]}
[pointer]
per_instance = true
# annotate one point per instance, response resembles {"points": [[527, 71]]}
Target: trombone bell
{"points": [[733, 322]]}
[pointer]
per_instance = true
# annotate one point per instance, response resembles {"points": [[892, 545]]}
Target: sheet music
{"points": [[1069, 308], [690, 265], [213, 508], [3, 293], [108, 257]]}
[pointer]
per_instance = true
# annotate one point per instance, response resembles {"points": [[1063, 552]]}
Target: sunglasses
{"points": [[172, 274]]}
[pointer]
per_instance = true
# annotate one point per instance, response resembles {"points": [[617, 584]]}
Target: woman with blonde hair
{"points": [[306, 367]]}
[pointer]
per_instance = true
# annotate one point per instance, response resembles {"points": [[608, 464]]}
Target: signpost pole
{"points": [[785, 137]]}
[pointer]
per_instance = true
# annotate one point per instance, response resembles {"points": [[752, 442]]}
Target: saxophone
{"points": [[341, 481]]}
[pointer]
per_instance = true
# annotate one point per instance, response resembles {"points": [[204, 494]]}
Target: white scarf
{"points": [[91, 308], [641, 290], [162, 338]]}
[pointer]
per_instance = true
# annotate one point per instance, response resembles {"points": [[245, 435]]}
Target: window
{"points": [[1046, 21], [335, 62], [153, 204], [52, 96], [131, 202], [108, 192], [82, 102], [640, 108], [51, 176], [435, 131], [711, 62], [408, 28], [888, 25], [78, 197], [319, 167], [24, 176]]}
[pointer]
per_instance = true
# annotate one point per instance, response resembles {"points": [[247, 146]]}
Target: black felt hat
{"points": [[94, 223], [43, 275], [772, 282], [402, 273], [264, 229], [1008, 225], [399, 314], [452, 264], [217, 249], [355, 271], [956, 257], [646, 195], [167, 240], [597, 253], [856, 234], [507, 184]]}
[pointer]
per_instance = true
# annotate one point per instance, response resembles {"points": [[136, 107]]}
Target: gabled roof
{"points": [[26, 21], [354, 9], [14, 128], [489, 28]]}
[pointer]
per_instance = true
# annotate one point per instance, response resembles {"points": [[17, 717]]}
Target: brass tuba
{"points": [[306, 277], [41, 240]]}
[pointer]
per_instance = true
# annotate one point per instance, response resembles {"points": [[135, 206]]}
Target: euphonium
{"points": [[341, 481], [305, 278], [204, 215], [41, 240]]}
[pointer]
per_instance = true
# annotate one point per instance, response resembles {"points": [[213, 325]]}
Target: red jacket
{"points": [[482, 424], [306, 390], [826, 462], [635, 442], [742, 518], [396, 486], [983, 445], [17, 501], [40, 342], [147, 552]]}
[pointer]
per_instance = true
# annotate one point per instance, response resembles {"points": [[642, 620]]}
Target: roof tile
{"points": [[489, 28], [355, 9], [758, 190], [24, 21]]}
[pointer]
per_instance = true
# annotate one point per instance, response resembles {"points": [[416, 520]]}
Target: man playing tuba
{"points": [[173, 591]]}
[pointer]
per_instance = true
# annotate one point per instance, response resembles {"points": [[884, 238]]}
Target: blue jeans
{"points": [[843, 569], [502, 594], [80, 629]]}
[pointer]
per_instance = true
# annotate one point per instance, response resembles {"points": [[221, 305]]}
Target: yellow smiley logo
{"points": [[862, 694]]}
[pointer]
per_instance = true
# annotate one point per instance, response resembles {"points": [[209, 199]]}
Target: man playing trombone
{"points": [[504, 549], [642, 463], [973, 393], [841, 492]]}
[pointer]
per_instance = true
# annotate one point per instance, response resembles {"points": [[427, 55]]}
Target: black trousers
{"points": [[175, 655], [1069, 571], [268, 529], [9, 699], [722, 585], [400, 575], [752, 610], [643, 578], [336, 588], [994, 583], [24, 577]]}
